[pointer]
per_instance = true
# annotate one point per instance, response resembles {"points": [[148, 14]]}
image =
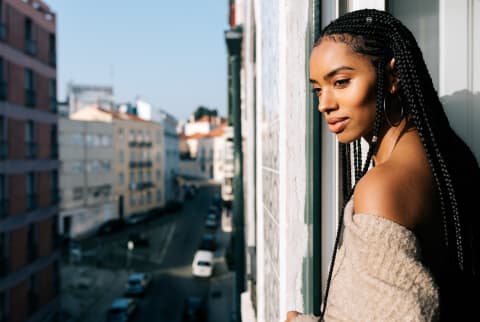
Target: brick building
{"points": [[29, 256]]}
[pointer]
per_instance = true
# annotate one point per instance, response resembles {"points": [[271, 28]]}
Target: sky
{"points": [[169, 53]]}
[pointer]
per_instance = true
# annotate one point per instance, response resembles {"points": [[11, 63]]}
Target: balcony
{"points": [[3, 149], [132, 143], [133, 164], [31, 47], [31, 201], [30, 150], [30, 98], [3, 207], [3, 90]]}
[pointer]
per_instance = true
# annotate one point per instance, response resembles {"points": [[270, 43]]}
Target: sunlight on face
{"points": [[345, 83]]}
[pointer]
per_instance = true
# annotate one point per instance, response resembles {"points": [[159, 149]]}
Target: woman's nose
{"points": [[326, 103]]}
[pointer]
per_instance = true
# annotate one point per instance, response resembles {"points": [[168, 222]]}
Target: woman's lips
{"points": [[337, 124]]}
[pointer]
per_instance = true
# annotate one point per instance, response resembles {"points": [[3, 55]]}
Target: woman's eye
{"points": [[342, 82]]}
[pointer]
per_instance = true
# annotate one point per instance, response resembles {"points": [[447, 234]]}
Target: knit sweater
{"points": [[378, 275]]}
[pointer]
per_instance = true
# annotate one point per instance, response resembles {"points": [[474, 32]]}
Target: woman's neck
{"points": [[388, 141]]}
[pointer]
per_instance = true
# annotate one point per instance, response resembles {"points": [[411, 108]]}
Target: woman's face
{"points": [[345, 83]]}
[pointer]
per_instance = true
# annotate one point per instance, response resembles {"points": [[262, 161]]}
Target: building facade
{"points": [[81, 96], [29, 252], [290, 199], [86, 176], [138, 147], [171, 152]]}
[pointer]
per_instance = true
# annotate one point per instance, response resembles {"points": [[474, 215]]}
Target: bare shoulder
{"points": [[395, 192]]}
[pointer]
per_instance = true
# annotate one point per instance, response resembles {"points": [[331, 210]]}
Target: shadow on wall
{"points": [[463, 110]]}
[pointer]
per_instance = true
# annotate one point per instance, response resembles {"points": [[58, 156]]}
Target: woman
{"points": [[408, 247]]}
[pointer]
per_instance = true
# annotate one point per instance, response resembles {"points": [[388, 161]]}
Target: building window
{"points": [[132, 200], [120, 179], [30, 144], [149, 197], [30, 100], [54, 141], [52, 95], [32, 294], [121, 156], [31, 191], [55, 193], [4, 269], [32, 242], [159, 195], [78, 193], [3, 196], [30, 44], [159, 175], [52, 49], [3, 306], [3, 138], [54, 232], [3, 80]]}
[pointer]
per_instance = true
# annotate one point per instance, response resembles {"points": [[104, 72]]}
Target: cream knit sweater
{"points": [[378, 275]]}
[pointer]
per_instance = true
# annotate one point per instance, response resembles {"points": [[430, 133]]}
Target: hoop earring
{"points": [[386, 114]]}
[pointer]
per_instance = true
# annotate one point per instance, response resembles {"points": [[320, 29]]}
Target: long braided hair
{"points": [[381, 36]]}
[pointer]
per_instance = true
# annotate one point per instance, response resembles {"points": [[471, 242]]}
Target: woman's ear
{"points": [[392, 77]]}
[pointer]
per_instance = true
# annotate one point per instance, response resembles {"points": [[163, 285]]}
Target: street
{"points": [[92, 282]]}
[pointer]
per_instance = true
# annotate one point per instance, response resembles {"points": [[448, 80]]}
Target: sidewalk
{"points": [[221, 285], [83, 287]]}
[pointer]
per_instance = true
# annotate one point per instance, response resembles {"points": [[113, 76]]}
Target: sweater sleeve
{"points": [[378, 274]]}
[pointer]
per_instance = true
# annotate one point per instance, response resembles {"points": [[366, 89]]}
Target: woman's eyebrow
{"points": [[332, 73], [336, 70]]}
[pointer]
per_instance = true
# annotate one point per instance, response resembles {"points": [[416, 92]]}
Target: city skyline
{"points": [[172, 55]]}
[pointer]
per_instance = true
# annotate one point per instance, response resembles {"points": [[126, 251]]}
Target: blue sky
{"points": [[169, 53]]}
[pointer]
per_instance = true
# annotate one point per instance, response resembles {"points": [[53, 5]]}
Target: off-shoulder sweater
{"points": [[378, 274]]}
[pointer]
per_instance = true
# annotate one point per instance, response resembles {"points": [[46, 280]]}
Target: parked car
{"points": [[122, 310], [202, 265], [211, 221], [110, 226], [194, 310], [137, 218], [208, 242], [139, 239], [138, 284]]}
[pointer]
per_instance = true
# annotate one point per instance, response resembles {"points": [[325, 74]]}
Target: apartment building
{"points": [[290, 202], [29, 254], [137, 160], [86, 176]]}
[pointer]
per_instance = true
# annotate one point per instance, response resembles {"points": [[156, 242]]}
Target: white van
{"points": [[202, 265]]}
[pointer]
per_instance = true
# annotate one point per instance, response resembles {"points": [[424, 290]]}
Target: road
{"points": [[100, 276]]}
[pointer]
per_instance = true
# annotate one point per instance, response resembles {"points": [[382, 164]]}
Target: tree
{"points": [[201, 111]]}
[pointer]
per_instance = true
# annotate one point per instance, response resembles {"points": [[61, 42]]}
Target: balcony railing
{"points": [[31, 47], [3, 90], [133, 164], [30, 98], [30, 150], [3, 207], [31, 201], [132, 143]]}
